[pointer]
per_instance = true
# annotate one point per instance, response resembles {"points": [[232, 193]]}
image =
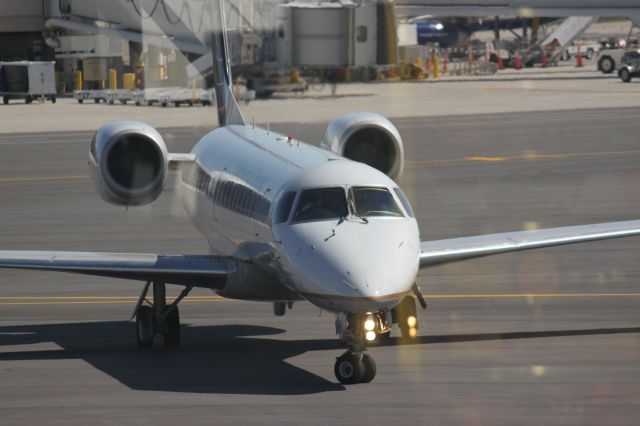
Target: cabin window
{"points": [[284, 207], [321, 204], [405, 202], [373, 201]]}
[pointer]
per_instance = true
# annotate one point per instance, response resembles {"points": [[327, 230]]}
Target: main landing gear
{"points": [[158, 317]]}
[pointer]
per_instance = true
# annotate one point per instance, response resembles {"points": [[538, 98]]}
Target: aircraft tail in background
{"points": [[228, 109]]}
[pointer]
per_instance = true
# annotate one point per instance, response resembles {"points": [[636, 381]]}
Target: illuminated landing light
{"points": [[369, 324], [370, 336], [412, 321]]}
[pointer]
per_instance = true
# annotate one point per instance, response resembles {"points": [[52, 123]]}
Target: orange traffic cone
{"points": [[579, 61], [518, 61]]}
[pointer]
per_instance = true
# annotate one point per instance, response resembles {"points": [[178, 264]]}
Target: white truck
{"points": [[588, 51], [27, 80], [610, 59]]}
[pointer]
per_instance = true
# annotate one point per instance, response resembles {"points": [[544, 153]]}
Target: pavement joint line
{"points": [[88, 300], [41, 178], [96, 297], [494, 159], [99, 302], [51, 178]]}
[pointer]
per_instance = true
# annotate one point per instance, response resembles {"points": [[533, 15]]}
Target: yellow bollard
{"points": [[294, 76], [129, 81], [78, 82], [113, 79], [436, 67], [193, 91]]}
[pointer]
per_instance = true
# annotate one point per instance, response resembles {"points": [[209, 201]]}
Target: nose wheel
{"points": [[355, 367]]}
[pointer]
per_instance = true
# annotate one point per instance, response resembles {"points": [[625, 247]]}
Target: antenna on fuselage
{"points": [[228, 109]]}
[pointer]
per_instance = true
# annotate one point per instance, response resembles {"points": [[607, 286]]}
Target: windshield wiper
{"points": [[352, 207]]}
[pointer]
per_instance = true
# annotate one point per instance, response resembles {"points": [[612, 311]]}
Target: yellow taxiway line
{"points": [[529, 156], [94, 300]]}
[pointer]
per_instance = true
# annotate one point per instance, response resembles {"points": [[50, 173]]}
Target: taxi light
{"points": [[369, 324], [370, 336], [412, 321]]}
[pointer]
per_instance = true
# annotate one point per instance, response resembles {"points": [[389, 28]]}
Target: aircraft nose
{"points": [[353, 266]]}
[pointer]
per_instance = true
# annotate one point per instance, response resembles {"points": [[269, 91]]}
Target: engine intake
{"points": [[129, 163], [368, 138]]}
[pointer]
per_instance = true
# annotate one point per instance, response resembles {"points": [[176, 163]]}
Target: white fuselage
{"points": [[352, 263]]}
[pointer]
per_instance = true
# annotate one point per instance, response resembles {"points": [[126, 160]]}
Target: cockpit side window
{"points": [[405, 202], [284, 207], [321, 204], [374, 201]]}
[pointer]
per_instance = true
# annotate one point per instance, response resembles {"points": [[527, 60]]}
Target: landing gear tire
{"points": [[172, 336], [144, 326], [279, 308], [383, 338], [369, 368], [349, 369]]}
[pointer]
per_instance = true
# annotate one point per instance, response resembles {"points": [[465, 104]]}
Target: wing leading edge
{"points": [[199, 271], [456, 249]]}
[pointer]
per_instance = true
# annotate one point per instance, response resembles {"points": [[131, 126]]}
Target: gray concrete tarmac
{"points": [[543, 337]]}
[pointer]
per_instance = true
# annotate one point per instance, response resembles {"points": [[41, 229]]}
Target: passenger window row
{"points": [[232, 195]]}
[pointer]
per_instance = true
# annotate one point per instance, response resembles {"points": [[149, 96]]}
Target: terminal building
{"points": [[94, 36], [21, 25]]}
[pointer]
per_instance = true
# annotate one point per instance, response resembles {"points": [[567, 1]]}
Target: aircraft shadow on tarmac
{"points": [[225, 359]]}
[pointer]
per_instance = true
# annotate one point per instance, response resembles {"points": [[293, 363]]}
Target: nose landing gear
{"points": [[355, 367], [355, 330]]}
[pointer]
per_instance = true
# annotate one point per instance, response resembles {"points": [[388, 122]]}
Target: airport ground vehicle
{"points": [[589, 51], [610, 60], [630, 66], [612, 52], [27, 80]]}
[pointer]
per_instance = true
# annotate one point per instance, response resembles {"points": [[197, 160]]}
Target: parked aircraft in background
{"points": [[286, 222], [449, 32], [525, 8]]}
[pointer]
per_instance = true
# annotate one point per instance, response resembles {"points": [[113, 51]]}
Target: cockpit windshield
{"points": [[373, 201], [321, 204]]}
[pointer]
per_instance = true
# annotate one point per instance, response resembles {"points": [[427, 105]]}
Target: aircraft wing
{"points": [[199, 271], [456, 249]]}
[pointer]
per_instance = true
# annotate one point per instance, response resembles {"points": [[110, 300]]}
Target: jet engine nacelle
{"points": [[129, 162], [367, 138]]}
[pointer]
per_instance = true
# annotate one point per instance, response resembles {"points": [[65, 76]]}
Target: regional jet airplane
{"points": [[287, 222]]}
